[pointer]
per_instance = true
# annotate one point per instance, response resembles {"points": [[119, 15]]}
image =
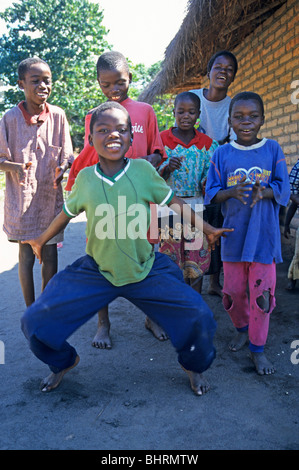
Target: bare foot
{"points": [[53, 380], [102, 338], [198, 383], [238, 341], [262, 365], [157, 331]]}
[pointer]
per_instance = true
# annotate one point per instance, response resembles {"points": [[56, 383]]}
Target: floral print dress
{"points": [[185, 245]]}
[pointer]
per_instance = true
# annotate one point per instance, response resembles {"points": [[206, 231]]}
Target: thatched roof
{"points": [[209, 26]]}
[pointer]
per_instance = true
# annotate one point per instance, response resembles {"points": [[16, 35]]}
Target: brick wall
{"points": [[269, 65]]}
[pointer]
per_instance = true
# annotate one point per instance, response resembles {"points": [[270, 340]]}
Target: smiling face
{"points": [[111, 137], [115, 83], [222, 72], [186, 114], [246, 120], [37, 84]]}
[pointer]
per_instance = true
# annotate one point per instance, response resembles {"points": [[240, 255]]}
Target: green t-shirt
{"points": [[118, 217]]}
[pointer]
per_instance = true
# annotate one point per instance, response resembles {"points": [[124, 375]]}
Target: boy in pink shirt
{"points": [[35, 150], [114, 78]]}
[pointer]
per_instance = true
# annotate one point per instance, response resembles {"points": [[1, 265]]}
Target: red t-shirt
{"points": [[146, 138]]}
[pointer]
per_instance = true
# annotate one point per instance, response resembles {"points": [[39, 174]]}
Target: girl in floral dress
{"points": [[185, 170]]}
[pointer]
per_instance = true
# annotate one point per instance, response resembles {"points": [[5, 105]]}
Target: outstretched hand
{"points": [[36, 248], [215, 235]]}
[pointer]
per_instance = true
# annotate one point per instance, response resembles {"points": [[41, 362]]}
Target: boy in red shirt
{"points": [[114, 78]]}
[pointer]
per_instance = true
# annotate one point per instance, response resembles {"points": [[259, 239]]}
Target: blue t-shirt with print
{"points": [[256, 236]]}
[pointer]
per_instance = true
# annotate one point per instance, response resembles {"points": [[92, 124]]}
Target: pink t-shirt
{"points": [[30, 208]]}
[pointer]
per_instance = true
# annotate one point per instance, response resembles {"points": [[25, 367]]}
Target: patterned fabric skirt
{"points": [[186, 246], [293, 272]]}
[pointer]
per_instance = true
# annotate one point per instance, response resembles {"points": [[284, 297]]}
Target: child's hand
{"points": [[214, 236], [36, 248], [58, 177], [257, 192], [241, 189], [174, 163], [21, 171]]}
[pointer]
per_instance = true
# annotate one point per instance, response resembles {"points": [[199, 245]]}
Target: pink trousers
{"points": [[251, 311]]}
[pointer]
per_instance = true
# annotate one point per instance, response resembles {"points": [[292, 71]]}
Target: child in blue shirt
{"points": [[120, 261], [249, 178]]}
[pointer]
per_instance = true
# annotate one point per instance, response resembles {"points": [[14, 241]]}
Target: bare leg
{"points": [[53, 380], [102, 338], [215, 286], [156, 329], [50, 263], [196, 284], [26, 263], [240, 337]]}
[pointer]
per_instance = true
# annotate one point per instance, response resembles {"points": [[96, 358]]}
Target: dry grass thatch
{"points": [[209, 26]]}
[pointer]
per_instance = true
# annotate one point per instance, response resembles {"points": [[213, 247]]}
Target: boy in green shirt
{"points": [[120, 262]]}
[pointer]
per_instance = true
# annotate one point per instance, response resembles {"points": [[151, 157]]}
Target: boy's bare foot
{"points": [[157, 331], [102, 338], [262, 365], [53, 380], [238, 341], [198, 383]]}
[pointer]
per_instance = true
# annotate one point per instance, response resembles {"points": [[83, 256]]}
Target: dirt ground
{"points": [[135, 396]]}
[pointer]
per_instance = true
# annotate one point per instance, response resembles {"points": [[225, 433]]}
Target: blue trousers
{"points": [[77, 293]]}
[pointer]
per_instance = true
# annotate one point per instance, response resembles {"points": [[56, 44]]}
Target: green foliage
{"points": [[163, 105], [69, 36]]}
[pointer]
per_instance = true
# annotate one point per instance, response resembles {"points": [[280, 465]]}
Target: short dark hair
{"points": [[26, 64], [104, 107], [188, 95], [246, 95], [224, 53], [112, 60]]}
